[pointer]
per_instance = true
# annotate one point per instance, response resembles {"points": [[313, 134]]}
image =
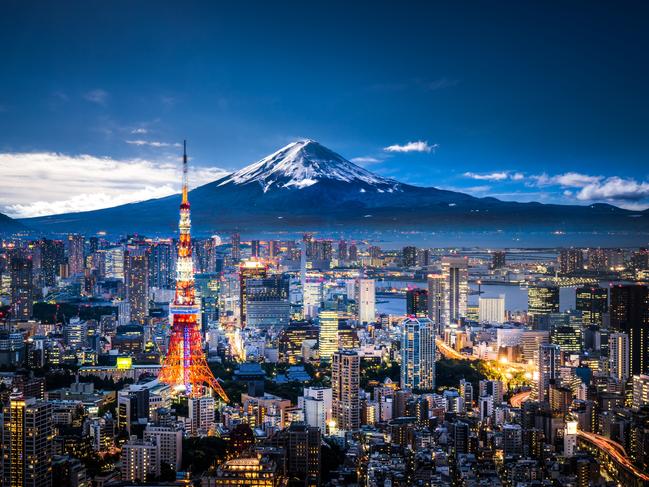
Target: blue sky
{"points": [[541, 101]]}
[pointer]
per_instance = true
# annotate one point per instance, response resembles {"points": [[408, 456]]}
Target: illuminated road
{"points": [[616, 451], [448, 352], [517, 399]]}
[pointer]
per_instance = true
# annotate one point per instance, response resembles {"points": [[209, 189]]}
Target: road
{"points": [[616, 451], [517, 399]]}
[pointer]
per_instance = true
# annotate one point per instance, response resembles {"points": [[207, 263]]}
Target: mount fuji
{"points": [[306, 186]]}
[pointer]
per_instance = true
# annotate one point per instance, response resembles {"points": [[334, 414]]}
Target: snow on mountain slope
{"points": [[302, 164]]}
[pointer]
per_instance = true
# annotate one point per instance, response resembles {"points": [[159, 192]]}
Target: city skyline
{"points": [[454, 97]]}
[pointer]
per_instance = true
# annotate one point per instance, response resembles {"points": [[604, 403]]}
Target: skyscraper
{"points": [[161, 268], [409, 256], [255, 248], [549, 362], [267, 303], [328, 335], [418, 354], [542, 301], [436, 298], [26, 442], [592, 301], [417, 302], [235, 251], [185, 367], [619, 356], [570, 261], [630, 314], [75, 246], [366, 300], [136, 280], [498, 259], [492, 310], [456, 288], [250, 269], [22, 289], [345, 385], [52, 256]]}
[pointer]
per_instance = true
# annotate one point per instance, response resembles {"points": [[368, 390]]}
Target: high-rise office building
{"points": [[630, 314], [136, 280], [436, 299], [456, 288], [162, 265], [619, 356], [302, 446], [592, 301], [409, 256], [568, 338], [169, 440], [267, 301], [328, 335], [22, 289], [26, 442], [498, 259], [549, 363], [255, 249], [251, 269], [345, 390], [52, 256], [417, 302], [418, 354], [343, 254], [274, 248], [140, 460], [114, 263], [491, 310], [571, 261], [75, 245], [235, 251], [542, 301], [365, 300]]}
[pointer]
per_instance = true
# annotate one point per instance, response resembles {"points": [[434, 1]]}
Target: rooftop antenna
{"points": [[185, 179]]}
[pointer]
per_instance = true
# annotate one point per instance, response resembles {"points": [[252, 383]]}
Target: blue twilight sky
{"points": [[541, 101]]}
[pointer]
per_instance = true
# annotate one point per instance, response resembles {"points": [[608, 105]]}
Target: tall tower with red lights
{"points": [[185, 367]]}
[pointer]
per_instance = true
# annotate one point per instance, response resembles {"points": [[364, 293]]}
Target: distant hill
{"points": [[307, 186], [8, 225]]}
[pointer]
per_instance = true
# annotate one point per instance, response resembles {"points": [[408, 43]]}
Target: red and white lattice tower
{"points": [[185, 367]]}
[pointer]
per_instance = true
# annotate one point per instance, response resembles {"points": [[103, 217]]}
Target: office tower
{"points": [[409, 256], [568, 338], [629, 312], [267, 304], [417, 302], [461, 432], [498, 260], [491, 310], [255, 249], [542, 301], [592, 301], [235, 252], [570, 261], [114, 263], [26, 442], [531, 340], [598, 260], [312, 294], [512, 439], [52, 256], [436, 299], [169, 440], [376, 256], [345, 394], [22, 289], [417, 354], [303, 453], [619, 356], [353, 252], [132, 407], [185, 366], [136, 280], [75, 333], [343, 254], [640, 390], [140, 460], [161, 265], [466, 391], [570, 438], [250, 269], [317, 406], [328, 336], [274, 248], [365, 300], [201, 414], [491, 388], [75, 246], [549, 363], [456, 288]]}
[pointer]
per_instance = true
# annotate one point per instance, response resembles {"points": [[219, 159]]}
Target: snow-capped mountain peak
{"points": [[302, 164]]}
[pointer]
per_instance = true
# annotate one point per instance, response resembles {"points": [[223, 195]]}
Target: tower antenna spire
{"points": [[185, 177]]}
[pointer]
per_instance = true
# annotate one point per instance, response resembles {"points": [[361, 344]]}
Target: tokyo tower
{"points": [[185, 367]]}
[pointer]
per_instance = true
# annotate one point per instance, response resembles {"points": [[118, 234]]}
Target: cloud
{"points": [[493, 176], [569, 179], [46, 183], [615, 189], [365, 160], [97, 96], [418, 146], [139, 131], [152, 143]]}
